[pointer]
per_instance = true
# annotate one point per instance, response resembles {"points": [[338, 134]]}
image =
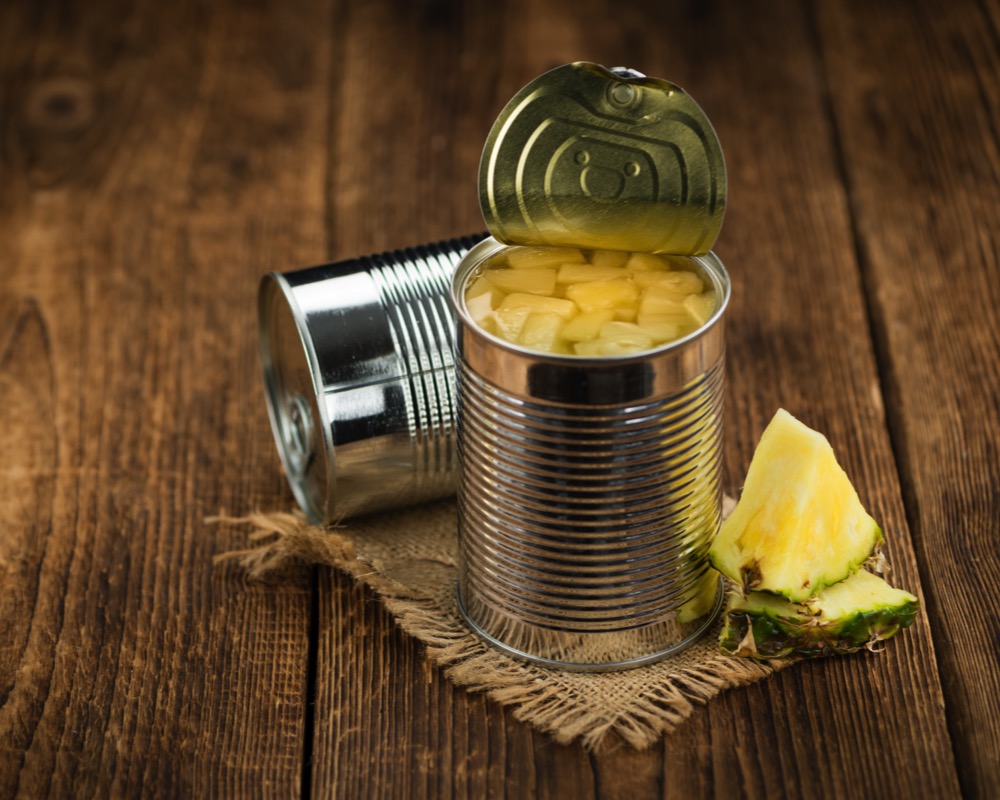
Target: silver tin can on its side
{"points": [[359, 375], [589, 491]]}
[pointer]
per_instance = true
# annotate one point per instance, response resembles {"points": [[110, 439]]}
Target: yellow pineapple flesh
{"points": [[651, 300], [799, 525]]}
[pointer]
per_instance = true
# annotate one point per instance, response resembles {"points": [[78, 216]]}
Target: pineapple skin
{"points": [[762, 626]]}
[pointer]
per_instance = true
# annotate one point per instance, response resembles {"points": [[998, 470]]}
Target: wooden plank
{"points": [[390, 725], [917, 115], [799, 339], [156, 160], [414, 107]]}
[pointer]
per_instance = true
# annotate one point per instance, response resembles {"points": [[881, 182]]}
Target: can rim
{"points": [[271, 284], [472, 259]]}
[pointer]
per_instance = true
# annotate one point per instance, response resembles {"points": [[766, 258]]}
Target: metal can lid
{"points": [[592, 157]]}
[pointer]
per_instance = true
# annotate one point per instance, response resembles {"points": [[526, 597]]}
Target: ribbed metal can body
{"points": [[359, 373], [589, 492]]}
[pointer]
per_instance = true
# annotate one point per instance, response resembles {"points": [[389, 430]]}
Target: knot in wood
{"points": [[63, 105]]}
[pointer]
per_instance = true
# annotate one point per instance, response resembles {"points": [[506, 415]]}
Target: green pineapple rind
{"points": [[764, 626]]}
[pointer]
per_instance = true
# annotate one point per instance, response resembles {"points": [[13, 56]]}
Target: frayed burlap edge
{"points": [[281, 538]]}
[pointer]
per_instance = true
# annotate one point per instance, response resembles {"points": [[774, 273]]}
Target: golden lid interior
{"points": [[592, 157]]}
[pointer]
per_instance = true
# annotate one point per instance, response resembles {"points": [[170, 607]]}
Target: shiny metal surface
{"points": [[589, 491], [590, 157], [359, 375]]}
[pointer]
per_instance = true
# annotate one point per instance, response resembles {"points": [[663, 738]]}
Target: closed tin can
{"points": [[589, 491], [359, 375]]}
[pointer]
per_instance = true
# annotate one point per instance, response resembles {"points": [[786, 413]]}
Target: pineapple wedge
{"points": [[843, 618], [799, 525]]}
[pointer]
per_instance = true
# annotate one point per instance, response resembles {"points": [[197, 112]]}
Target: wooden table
{"points": [[157, 158]]}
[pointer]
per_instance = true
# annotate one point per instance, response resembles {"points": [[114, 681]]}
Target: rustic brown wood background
{"points": [[157, 157]]}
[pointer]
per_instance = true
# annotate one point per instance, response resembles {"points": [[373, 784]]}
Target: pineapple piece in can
{"points": [[540, 281], [857, 612], [538, 304], [509, 322], [609, 258], [581, 273], [542, 257], [593, 295], [586, 325], [541, 332]]}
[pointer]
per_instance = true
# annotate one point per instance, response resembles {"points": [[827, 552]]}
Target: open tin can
{"points": [[589, 485], [589, 491]]}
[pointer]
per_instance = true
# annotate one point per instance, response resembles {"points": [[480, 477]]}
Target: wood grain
{"points": [[932, 280], [799, 338], [156, 159]]}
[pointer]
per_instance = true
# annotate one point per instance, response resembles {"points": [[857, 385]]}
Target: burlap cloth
{"points": [[409, 558]]}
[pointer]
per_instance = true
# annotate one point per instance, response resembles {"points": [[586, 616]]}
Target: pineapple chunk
{"points": [[681, 282], [679, 317], [608, 347], [646, 279], [539, 257], [641, 262], [541, 332], [627, 313], [609, 258], [660, 298], [626, 332], [616, 339], [489, 324], [579, 273], [851, 614], [799, 525], [593, 295], [482, 285], [586, 325], [508, 322], [480, 307], [532, 281], [663, 331], [564, 308], [700, 306]]}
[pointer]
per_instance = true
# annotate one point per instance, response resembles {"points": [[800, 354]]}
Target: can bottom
{"points": [[692, 632]]}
